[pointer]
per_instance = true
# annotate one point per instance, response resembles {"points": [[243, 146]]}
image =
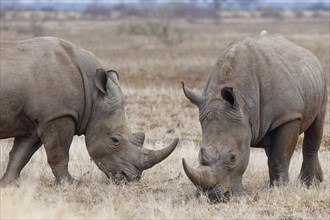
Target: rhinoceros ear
{"points": [[193, 97], [228, 94], [107, 81], [101, 80]]}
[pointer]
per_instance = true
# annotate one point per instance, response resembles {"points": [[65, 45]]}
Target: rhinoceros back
{"points": [[293, 85], [278, 80], [40, 81]]}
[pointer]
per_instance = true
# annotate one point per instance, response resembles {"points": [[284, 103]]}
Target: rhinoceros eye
{"points": [[114, 140], [233, 158]]}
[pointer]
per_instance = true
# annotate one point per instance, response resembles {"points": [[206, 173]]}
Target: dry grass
{"points": [[150, 74], [163, 192]]}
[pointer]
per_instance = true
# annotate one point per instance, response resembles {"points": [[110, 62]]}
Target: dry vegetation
{"points": [[150, 73]]}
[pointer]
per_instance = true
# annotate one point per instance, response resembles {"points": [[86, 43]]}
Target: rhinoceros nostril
{"points": [[120, 178], [216, 196], [136, 177], [141, 135]]}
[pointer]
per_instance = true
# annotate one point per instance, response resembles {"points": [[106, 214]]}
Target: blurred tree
{"points": [[2, 13], [247, 5], [217, 4], [319, 6], [96, 10]]}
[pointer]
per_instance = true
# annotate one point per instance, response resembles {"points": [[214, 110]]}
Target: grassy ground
{"points": [[151, 69], [163, 192]]}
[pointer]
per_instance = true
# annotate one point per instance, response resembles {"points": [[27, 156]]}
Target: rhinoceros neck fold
{"points": [[82, 124]]}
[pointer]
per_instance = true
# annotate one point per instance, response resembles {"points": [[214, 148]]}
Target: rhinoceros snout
{"points": [[124, 178], [214, 195]]}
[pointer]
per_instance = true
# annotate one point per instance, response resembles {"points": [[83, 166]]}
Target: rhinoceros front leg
{"points": [[311, 169], [283, 142], [22, 151], [57, 136]]}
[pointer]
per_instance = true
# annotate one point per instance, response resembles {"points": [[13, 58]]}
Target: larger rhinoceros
{"points": [[51, 90], [263, 92]]}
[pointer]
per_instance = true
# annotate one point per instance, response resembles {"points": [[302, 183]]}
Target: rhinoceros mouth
{"points": [[123, 178], [219, 197], [215, 195], [126, 175]]}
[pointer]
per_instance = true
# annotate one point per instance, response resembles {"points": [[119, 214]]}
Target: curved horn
{"points": [[201, 177], [152, 157], [193, 97]]}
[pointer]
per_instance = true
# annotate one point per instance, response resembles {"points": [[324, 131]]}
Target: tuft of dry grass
{"points": [[150, 75]]}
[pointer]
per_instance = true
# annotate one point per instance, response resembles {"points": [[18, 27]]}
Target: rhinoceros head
{"points": [[115, 150], [224, 151]]}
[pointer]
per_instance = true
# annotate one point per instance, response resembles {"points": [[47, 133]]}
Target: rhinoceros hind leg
{"points": [[57, 136], [22, 151], [283, 142], [311, 169]]}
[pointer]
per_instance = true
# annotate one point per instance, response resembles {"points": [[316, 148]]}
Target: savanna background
{"points": [[154, 45]]}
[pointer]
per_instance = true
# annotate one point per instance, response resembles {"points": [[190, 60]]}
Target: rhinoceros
{"points": [[262, 92], [51, 90]]}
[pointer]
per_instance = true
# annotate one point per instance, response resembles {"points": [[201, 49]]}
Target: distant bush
{"points": [[189, 10], [95, 10], [316, 14], [162, 30], [37, 29], [2, 13], [319, 6], [170, 10], [171, 36], [36, 26], [299, 13], [150, 27], [127, 11], [271, 12]]}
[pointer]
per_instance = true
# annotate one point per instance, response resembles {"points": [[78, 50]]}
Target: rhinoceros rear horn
{"points": [[201, 177], [152, 157], [193, 97]]}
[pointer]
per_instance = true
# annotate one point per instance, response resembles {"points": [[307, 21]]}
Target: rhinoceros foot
{"points": [[68, 180], [5, 182], [311, 172]]}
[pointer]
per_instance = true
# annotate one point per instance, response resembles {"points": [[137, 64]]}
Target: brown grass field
{"points": [[151, 70]]}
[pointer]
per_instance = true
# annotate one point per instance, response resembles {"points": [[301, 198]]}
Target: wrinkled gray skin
{"points": [[263, 92], [51, 90]]}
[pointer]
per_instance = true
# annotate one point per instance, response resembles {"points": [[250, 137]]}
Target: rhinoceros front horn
{"points": [[201, 177], [152, 157]]}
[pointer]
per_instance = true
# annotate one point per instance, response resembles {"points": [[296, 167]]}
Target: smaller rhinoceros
{"points": [[263, 92], [52, 90]]}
